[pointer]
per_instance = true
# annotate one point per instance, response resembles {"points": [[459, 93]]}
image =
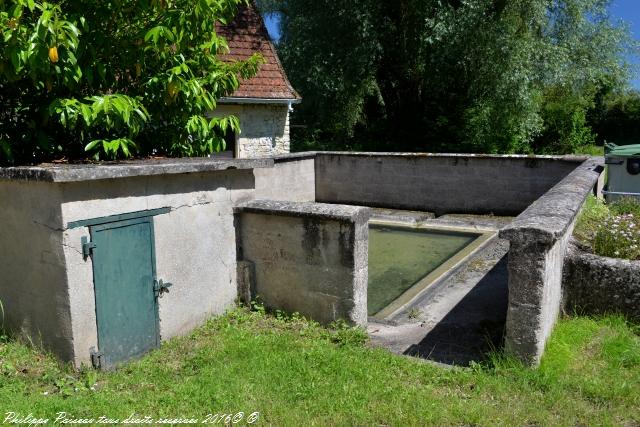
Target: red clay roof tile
{"points": [[245, 36]]}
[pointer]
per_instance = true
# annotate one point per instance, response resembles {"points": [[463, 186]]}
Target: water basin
{"points": [[404, 261]]}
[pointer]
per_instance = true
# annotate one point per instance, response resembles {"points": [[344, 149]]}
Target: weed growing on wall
{"points": [[594, 212]]}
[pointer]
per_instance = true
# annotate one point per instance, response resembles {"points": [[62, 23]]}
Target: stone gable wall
{"points": [[264, 129]]}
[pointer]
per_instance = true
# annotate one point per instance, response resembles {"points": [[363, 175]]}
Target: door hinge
{"points": [[96, 358], [87, 247], [160, 288]]}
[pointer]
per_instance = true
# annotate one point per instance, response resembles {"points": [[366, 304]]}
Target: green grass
{"points": [[590, 150], [594, 213], [295, 373]]}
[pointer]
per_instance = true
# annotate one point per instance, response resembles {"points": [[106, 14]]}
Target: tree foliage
{"points": [[114, 78], [454, 75], [617, 118]]}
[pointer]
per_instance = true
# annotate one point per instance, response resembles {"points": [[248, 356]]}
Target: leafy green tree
{"points": [[454, 75], [618, 118], [566, 128], [111, 79]]}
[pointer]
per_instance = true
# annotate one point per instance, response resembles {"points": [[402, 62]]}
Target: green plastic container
{"points": [[614, 150], [623, 171]]}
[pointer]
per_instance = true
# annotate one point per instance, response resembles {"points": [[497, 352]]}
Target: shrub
{"points": [[111, 79]]}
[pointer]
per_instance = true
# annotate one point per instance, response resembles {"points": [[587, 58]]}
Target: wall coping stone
{"points": [[567, 158], [312, 154], [549, 217], [292, 157], [48, 172], [356, 214], [124, 169]]}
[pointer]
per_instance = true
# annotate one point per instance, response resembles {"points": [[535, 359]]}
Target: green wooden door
{"points": [[126, 304]]}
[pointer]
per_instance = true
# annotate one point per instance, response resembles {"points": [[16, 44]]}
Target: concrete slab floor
{"points": [[464, 317]]}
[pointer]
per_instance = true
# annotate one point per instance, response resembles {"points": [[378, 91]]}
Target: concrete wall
{"points": [[292, 178], [194, 243], [538, 243], [308, 258], [33, 273], [594, 284], [440, 183], [298, 255], [264, 128]]}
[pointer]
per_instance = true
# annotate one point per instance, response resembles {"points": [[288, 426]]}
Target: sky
{"points": [[627, 10], [271, 21]]}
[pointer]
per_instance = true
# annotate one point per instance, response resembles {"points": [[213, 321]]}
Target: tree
{"points": [[114, 78], [454, 75], [618, 120]]}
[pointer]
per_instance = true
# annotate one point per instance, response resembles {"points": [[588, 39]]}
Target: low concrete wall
{"points": [[308, 258], [292, 178], [599, 285], [440, 183], [538, 241]]}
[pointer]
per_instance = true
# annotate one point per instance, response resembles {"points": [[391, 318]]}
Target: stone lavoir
{"points": [[100, 263]]}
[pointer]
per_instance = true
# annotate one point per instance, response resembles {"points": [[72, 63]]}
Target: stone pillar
{"points": [[539, 238]]}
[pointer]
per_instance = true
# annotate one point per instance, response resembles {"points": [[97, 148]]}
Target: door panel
{"points": [[124, 272]]}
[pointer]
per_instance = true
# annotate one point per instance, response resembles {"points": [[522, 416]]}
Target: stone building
{"points": [[262, 103]]}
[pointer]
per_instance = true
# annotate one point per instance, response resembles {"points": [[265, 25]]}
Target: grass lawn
{"points": [[590, 150], [296, 373]]}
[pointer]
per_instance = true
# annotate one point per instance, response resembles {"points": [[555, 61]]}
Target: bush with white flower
{"points": [[610, 229], [618, 236]]}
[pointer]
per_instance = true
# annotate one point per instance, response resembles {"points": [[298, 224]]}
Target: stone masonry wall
{"points": [[264, 128], [308, 258], [594, 284]]}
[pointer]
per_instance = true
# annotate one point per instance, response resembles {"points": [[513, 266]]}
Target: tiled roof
{"points": [[247, 35]]}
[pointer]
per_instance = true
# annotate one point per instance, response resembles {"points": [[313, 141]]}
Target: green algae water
{"points": [[399, 257]]}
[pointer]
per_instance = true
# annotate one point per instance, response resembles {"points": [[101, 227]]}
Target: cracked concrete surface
{"points": [[465, 317]]}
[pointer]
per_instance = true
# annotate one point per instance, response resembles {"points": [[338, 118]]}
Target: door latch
{"points": [[160, 288]]}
